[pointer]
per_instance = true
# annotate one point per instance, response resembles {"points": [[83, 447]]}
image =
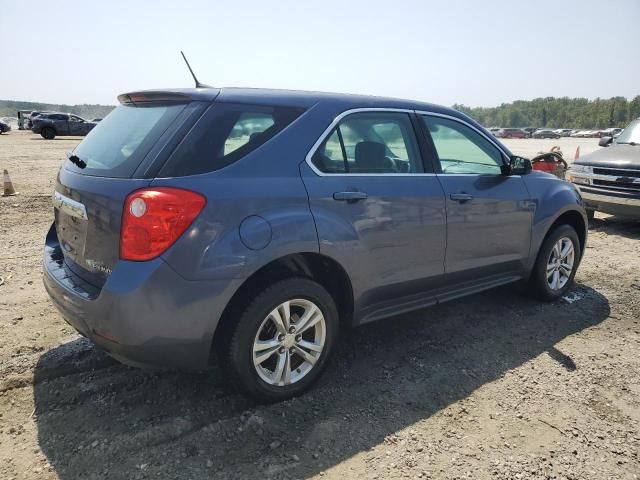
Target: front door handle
{"points": [[461, 197], [352, 196]]}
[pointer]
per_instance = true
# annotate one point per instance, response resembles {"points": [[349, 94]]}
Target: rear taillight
{"points": [[154, 218]]}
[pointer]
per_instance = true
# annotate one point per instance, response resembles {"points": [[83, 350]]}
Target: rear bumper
{"points": [[145, 314]]}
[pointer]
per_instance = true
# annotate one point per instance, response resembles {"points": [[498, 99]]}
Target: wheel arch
{"points": [[49, 127], [314, 266], [575, 219]]}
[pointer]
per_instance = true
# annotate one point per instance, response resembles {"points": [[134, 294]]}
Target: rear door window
{"points": [[119, 143], [226, 133], [370, 143]]}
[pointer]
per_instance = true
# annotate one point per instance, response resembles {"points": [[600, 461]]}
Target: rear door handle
{"points": [[461, 197], [349, 196]]}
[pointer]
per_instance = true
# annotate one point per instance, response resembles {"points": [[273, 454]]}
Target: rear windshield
{"points": [[119, 143], [226, 133]]}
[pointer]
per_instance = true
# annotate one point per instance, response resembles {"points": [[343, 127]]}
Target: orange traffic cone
{"points": [[577, 155], [8, 186]]}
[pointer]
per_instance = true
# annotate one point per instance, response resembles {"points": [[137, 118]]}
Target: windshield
{"points": [[119, 143], [631, 134]]}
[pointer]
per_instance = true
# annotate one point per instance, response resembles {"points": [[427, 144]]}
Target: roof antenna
{"points": [[198, 84]]}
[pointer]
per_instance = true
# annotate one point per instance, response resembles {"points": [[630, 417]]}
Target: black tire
{"points": [[538, 283], [48, 133], [237, 354], [591, 215]]}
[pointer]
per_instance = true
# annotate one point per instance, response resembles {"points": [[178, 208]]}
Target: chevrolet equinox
{"points": [[246, 227]]}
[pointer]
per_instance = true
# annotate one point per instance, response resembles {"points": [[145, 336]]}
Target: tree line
{"points": [[554, 112]]}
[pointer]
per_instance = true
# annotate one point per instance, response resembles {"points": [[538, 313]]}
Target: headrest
{"points": [[369, 151], [370, 157]]}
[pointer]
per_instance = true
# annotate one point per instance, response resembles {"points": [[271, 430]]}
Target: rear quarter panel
{"points": [[263, 188]]}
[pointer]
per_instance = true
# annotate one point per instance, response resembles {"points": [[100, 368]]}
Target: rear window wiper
{"points": [[76, 160]]}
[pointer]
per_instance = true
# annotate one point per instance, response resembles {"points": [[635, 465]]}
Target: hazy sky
{"points": [[445, 51]]}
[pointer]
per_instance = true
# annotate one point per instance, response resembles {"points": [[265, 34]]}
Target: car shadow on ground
{"points": [[99, 419], [616, 225]]}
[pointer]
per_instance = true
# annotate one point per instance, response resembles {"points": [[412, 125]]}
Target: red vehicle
{"points": [[512, 133]]}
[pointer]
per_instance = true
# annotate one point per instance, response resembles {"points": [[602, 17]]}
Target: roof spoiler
{"points": [[136, 98]]}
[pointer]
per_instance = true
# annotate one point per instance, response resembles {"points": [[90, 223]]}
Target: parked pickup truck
{"points": [[51, 124], [609, 178]]}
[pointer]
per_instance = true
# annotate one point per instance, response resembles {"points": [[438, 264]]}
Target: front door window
{"points": [[461, 149]]}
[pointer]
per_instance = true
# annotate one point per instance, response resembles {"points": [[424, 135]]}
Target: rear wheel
{"points": [[282, 341], [48, 133], [556, 264]]}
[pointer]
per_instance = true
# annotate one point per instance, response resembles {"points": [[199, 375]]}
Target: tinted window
{"points": [[461, 149], [226, 133], [247, 127], [117, 145], [371, 142], [55, 116]]}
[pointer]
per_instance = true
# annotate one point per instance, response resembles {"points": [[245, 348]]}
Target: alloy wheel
{"points": [[289, 342], [560, 263]]}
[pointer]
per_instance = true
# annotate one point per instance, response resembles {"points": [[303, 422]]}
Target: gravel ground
{"points": [[495, 386]]}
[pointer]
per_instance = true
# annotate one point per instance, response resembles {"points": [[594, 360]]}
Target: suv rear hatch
{"points": [[120, 155]]}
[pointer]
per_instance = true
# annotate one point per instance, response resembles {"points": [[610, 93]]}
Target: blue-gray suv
{"points": [[248, 227]]}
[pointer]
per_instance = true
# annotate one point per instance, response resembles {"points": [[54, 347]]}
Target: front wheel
{"points": [[591, 214], [556, 265], [282, 341]]}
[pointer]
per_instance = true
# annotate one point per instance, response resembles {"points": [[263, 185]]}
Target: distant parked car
{"points": [[610, 132], [563, 132], [586, 134], [4, 127], [530, 130], [51, 124], [512, 133], [494, 130], [544, 133]]}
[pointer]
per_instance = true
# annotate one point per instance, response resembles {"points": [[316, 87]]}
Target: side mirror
{"points": [[517, 166], [605, 141]]}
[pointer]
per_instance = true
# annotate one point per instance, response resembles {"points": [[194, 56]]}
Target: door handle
{"points": [[461, 197], [349, 196]]}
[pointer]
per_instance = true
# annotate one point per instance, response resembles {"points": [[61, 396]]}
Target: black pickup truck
{"points": [[51, 124]]}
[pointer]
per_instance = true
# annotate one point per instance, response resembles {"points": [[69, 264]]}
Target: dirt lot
{"points": [[494, 386]]}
